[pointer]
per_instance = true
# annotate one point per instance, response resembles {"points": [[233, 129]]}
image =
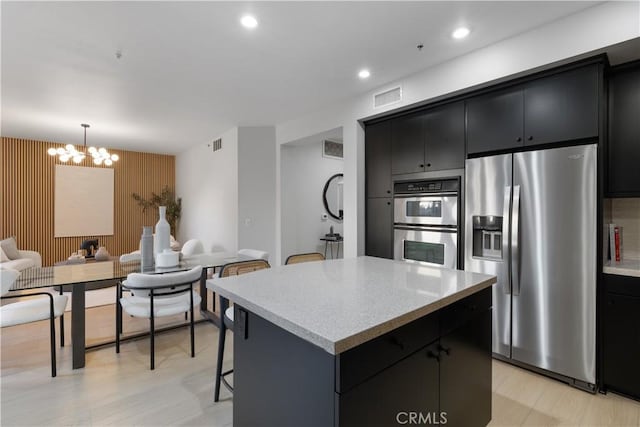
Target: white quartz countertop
{"points": [[630, 267], [340, 304]]}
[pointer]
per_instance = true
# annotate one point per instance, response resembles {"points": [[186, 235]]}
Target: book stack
{"points": [[615, 243]]}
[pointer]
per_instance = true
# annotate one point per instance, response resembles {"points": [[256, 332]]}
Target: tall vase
{"points": [[163, 231], [146, 248]]}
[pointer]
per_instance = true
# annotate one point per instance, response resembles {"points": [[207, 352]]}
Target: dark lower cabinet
{"points": [[465, 367], [379, 228], [621, 334], [623, 177], [417, 379], [410, 375]]}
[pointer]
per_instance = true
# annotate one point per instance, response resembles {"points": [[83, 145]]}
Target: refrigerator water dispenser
{"points": [[487, 237]]}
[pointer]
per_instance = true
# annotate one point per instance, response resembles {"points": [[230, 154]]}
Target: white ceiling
{"points": [[189, 71]]}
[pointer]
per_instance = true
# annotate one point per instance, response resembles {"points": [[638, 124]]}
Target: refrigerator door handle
{"points": [[515, 241], [505, 233]]}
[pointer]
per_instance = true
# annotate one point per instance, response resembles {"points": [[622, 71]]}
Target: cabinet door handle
{"points": [[444, 349], [428, 165], [519, 139], [388, 191], [530, 138], [432, 355], [389, 203], [421, 165], [395, 341]]}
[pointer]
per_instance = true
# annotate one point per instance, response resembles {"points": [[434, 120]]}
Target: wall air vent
{"points": [[389, 96], [216, 145], [332, 148]]}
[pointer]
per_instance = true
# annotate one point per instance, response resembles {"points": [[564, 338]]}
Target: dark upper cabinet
{"points": [[407, 146], [624, 132], [562, 107], [429, 140], [622, 334], [444, 137], [495, 121], [378, 159], [379, 228]]}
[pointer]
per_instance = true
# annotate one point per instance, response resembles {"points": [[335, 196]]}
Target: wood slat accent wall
{"points": [[28, 201]]}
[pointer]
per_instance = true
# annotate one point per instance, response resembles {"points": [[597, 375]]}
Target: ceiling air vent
{"points": [[332, 148], [216, 145], [390, 96]]}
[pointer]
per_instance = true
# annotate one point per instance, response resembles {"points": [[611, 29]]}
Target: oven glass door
{"points": [[427, 210], [428, 247]]}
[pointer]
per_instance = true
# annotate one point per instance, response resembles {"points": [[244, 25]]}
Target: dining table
{"points": [[78, 276]]}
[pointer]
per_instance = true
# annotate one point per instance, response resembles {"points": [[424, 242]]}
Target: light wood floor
{"points": [[121, 390]]}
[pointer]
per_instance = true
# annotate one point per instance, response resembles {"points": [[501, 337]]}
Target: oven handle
{"points": [[452, 229], [411, 195]]}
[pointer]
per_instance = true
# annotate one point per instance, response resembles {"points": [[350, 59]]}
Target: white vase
{"points": [[146, 248], [163, 231]]}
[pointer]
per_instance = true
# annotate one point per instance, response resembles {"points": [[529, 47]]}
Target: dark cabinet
{"points": [[494, 121], [624, 132], [465, 370], [444, 137], [378, 159], [429, 140], [417, 376], [407, 146], [557, 108], [562, 107], [379, 228], [447, 381], [621, 333]]}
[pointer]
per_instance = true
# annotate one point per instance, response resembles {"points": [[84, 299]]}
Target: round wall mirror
{"points": [[332, 196]]}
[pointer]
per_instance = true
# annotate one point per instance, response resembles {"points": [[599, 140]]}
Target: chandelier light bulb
{"points": [[115, 157], [52, 151], [108, 162]]}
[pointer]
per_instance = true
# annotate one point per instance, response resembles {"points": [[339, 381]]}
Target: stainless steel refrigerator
{"points": [[531, 221]]}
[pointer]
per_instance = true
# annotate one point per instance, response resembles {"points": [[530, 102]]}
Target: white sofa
{"points": [[27, 259]]}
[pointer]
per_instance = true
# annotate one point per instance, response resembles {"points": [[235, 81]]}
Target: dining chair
{"points": [[254, 253], [157, 295], [192, 247], [226, 321], [31, 310], [308, 257]]}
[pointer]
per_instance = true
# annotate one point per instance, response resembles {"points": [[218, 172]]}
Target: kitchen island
{"points": [[360, 341]]}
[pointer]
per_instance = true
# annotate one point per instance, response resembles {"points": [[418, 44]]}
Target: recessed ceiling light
{"points": [[249, 21], [363, 74], [460, 33]]}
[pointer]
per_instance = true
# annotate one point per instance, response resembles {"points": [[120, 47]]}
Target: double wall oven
{"points": [[426, 222]]}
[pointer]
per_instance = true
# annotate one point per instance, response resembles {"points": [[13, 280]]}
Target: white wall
{"points": [[579, 34], [207, 182], [304, 172], [257, 189]]}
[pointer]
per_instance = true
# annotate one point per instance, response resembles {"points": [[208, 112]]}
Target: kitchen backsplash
{"points": [[625, 212]]}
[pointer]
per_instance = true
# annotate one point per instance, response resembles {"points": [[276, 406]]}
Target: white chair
{"points": [[134, 256], [192, 247], [254, 253], [32, 310], [158, 295]]}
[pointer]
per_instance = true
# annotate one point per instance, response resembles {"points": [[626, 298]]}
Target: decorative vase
{"points": [[163, 231], [102, 254], [146, 248]]}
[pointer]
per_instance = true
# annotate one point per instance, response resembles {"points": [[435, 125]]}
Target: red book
{"points": [[616, 233]]}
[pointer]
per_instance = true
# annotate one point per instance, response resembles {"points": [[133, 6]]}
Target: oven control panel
{"points": [[427, 186]]}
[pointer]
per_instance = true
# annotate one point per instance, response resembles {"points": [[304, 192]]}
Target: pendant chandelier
{"points": [[69, 152]]}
